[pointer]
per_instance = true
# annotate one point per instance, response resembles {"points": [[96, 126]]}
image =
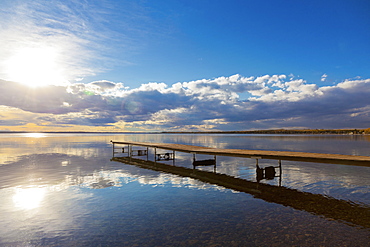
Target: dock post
{"points": [[280, 167], [280, 170], [173, 162], [193, 161], [214, 167], [147, 151], [155, 155], [129, 151], [113, 148]]}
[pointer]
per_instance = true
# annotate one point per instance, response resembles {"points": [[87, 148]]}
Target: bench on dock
{"points": [[165, 156], [207, 162]]}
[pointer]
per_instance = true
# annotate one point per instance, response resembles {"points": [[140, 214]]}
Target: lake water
{"points": [[64, 190]]}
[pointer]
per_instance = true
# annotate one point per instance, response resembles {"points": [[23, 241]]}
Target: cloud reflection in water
{"points": [[62, 188]]}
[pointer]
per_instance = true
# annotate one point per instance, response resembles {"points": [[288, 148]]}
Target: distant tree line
{"points": [[287, 131]]}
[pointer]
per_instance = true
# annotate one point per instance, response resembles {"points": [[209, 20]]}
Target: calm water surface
{"points": [[63, 190]]}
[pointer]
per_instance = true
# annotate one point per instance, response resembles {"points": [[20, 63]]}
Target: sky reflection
{"points": [[53, 188]]}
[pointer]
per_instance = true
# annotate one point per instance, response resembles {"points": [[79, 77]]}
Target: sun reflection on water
{"points": [[28, 198], [35, 135]]}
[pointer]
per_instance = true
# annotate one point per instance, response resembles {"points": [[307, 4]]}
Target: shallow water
{"points": [[63, 190]]}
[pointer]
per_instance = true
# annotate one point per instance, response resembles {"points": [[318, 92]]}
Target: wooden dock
{"points": [[254, 154], [344, 211]]}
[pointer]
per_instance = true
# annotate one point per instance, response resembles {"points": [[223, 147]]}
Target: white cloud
{"points": [[152, 86], [207, 103], [323, 77], [293, 90]]}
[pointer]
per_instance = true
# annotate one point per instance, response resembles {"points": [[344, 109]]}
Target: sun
{"points": [[35, 66]]}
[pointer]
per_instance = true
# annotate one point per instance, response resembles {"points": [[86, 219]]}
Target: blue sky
{"points": [[192, 40], [184, 65]]}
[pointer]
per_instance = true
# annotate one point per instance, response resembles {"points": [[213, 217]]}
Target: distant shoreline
{"points": [[272, 131], [288, 131]]}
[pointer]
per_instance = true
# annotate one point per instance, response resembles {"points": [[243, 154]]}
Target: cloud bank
{"points": [[223, 103]]}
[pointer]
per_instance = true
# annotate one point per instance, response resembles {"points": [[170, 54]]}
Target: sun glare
{"points": [[35, 67], [35, 135], [29, 198]]}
